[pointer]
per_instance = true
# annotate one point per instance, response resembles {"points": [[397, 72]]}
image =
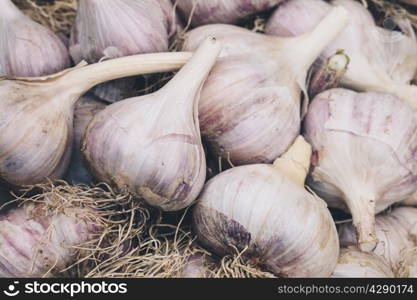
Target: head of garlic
{"points": [[111, 29], [36, 114], [28, 49], [264, 212], [84, 111], [151, 146], [396, 232], [356, 264], [365, 154], [201, 12], [381, 60], [250, 105]]}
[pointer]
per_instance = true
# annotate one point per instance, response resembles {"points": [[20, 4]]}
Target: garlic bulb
{"points": [[381, 60], [197, 266], [396, 232], [84, 111], [150, 146], [264, 212], [219, 11], [27, 48], [365, 154], [356, 264], [37, 121], [411, 201], [111, 29], [250, 105]]}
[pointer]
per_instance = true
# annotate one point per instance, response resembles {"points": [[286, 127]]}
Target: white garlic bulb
{"points": [[365, 154], [250, 105], [264, 212], [28, 49], [411, 201], [150, 146], [396, 232], [356, 264], [84, 111], [36, 126], [110, 29], [381, 60], [218, 11]]}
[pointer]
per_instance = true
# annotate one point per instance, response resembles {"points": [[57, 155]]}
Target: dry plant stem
{"points": [[64, 226]]}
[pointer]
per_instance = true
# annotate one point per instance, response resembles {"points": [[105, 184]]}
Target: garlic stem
{"points": [[309, 46], [295, 163], [84, 78]]}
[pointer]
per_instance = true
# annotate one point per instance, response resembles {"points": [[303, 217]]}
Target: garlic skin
{"points": [[84, 111], [150, 146], [111, 29], [411, 201], [28, 49], [365, 154], [396, 232], [217, 11], [250, 106], [264, 212], [381, 60], [36, 114], [197, 266], [356, 264]]}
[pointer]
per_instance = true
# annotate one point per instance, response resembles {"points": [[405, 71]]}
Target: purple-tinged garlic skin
{"points": [[196, 266], [365, 154], [220, 11], [396, 233], [35, 244], [28, 49], [381, 60], [84, 111], [151, 146], [356, 264], [250, 107]]}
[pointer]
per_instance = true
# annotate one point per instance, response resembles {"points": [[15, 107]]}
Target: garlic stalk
{"points": [[356, 264], [217, 11], [381, 60], [365, 147], [85, 110], [27, 48], [150, 146], [396, 232], [264, 212], [111, 29], [37, 114], [250, 105]]}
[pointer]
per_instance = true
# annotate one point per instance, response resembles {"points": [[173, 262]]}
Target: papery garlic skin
{"points": [[251, 103], [356, 264], [394, 232], [218, 11], [365, 154], [84, 111], [35, 244], [380, 60], [268, 216], [28, 49], [150, 146], [411, 201]]}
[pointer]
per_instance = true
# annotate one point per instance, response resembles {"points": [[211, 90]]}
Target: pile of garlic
{"points": [[314, 116]]}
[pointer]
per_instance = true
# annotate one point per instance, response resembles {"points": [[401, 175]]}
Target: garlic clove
{"points": [[365, 154], [37, 121], [394, 231], [356, 264], [257, 79], [216, 11], [150, 146], [381, 60], [262, 212], [28, 49], [84, 111]]}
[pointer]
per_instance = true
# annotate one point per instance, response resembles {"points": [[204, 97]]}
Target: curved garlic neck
{"points": [[295, 163], [9, 10]]}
